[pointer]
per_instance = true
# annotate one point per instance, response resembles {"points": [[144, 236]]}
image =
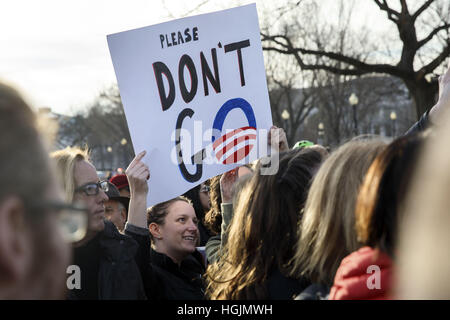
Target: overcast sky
{"points": [[55, 51]]}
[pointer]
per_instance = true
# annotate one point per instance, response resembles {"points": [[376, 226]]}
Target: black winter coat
{"points": [[163, 278], [113, 259], [176, 282], [280, 287]]}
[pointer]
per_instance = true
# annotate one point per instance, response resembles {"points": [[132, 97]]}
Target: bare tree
{"points": [[103, 128], [377, 96], [286, 97], [428, 20]]}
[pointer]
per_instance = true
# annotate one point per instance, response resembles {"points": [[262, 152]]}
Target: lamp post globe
{"points": [[393, 117], [353, 100]]}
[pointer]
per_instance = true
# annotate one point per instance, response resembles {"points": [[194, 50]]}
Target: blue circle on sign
{"points": [[237, 103]]}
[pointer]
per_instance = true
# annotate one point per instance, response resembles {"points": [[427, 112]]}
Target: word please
{"points": [[178, 37]]}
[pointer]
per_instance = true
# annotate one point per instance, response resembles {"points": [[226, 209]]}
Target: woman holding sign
{"points": [[172, 268], [262, 234]]}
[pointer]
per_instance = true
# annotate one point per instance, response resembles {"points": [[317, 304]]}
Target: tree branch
{"points": [[405, 10], [436, 62], [360, 67], [422, 9], [432, 34], [392, 14]]}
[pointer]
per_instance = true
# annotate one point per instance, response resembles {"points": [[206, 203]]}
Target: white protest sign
{"points": [[194, 86]]}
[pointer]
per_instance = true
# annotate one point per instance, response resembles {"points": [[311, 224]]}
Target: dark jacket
{"points": [[314, 292], [177, 282], [420, 125], [280, 287], [111, 256], [164, 279]]}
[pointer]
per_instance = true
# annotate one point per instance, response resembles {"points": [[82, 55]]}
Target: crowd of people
{"points": [[368, 220]]}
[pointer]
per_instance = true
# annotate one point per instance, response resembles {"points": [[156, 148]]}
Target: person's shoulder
{"points": [[111, 231], [314, 292], [112, 237]]}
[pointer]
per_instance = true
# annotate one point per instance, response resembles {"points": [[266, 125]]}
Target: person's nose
{"points": [[192, 226], [103, 196]]}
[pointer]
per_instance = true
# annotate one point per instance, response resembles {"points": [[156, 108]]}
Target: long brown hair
{"points": [[383, 189], [327, 232], [262, 233], [213, 218]]}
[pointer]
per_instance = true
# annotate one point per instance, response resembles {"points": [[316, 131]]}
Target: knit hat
{"points": [[120, 181]]}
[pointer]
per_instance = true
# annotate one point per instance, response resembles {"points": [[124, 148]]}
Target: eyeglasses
{"points": [[92, 189], [72, 219], [205, 188]]}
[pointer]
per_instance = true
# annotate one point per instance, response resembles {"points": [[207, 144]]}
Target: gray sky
{"points": [[55, 51]]}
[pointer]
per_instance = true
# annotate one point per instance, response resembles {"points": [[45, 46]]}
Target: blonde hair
{"points": [[327, 230], [65, 161]]}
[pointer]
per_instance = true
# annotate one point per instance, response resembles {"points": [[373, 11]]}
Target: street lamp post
{"points": [[126, 158], [353, 100], [285, 115], [320, 132], [393, 117]]}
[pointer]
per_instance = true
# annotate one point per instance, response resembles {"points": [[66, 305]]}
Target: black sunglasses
{"points": [[93, 188]]}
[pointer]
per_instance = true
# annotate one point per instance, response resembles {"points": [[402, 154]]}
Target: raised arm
{"points": [[138, 173], [215, 243], [434, 115]]}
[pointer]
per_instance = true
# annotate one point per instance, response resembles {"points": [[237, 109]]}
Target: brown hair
{"points": [[327, 231], [262, 232], [382, 190], [26, 172], [24, 164], [213, 218], [422, 254]]}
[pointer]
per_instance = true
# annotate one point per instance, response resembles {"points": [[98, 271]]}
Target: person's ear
{"points": [[123, 214], [155, 230], [15, 241]]}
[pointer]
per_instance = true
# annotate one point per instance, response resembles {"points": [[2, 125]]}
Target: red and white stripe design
{"points": [[235, 145]]}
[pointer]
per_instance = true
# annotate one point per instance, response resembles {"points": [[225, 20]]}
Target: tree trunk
{"points": [[424, 95]]}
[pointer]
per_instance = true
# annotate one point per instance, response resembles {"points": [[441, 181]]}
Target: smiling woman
{"points": [[173, 228], [176, 265]]}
